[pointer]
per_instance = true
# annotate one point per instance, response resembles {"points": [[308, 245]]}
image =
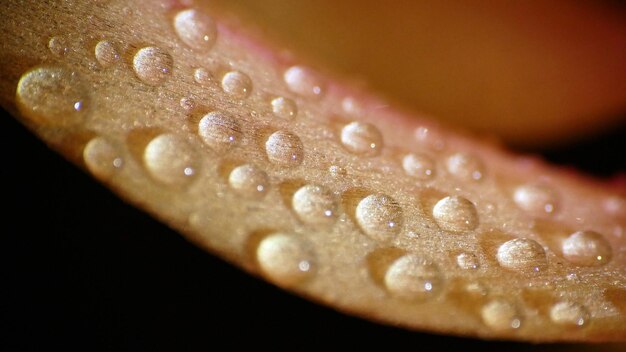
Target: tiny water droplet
{"points": [[587, 248], [106, 53], [455, 214], [413, 277], [522, 254], [170, 159], [284, 148], [315, 204], [285, 259], [249, 181], [467, 261], [58, 46], [362, 138], [196, 29], [219, 130], [569, 313], [500, 315], [284, 108], [237, 84], [535, 199], [202, 76], [152, 65], [465, 166], [380, 216], [102, 158], [419, 166], [303, 81]]}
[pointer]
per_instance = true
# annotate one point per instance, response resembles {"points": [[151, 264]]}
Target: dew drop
{"points": [[58, 46], [237, 84], [522, 254], [187, 103], [106, 53], [284, 108], [500, 315], [152, 65], [569, 313], [587, 248], [284, 148], [380, 216], [249, 181], [285, 259], [467, 261], [430, 137], [413, 277], [455, 214], [315, 204], [535, 199], [196, 29], [419, 166], [52, 95], [202, 76], [219, 130], [102, 158], [362, 138], [465, 166], [170, 160], [303, 81]]}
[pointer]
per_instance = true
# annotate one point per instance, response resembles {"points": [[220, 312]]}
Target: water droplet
{"points": [[362, 138], [465, 166], [569, 313], [352, 106], [285, 259], [315, 204], [102, 158], [106, 53], [467, 261], [522, 254], [237, 84], [284, 108], [249, 181], [152, 65], [419, 166], [52, 95], [202, 76], [170, 160], [535, 199], [455, 214], [380, 216], [187, 103], [219, 130], [195, 29], [587, 248], [615, 205], [500, 315], [284, 148], [303, 81], [58, 46], [413, 277], [430, 137]]}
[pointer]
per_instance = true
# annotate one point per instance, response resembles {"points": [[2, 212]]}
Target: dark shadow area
{"points": [[85, 271]]}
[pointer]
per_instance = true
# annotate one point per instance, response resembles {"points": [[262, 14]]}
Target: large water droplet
{"points": [[535, 199], [249, 181], [419, 166], [284, 148], [587, 248], [170, 160], [152, 65], [569, 313], [106, 53], [303, 81], [102, 158], [500, 315], [522, 254], [467, 261], [219, 130], [362, 138], [284, 108], [52, 95], [285, 259], [465, 166], [315, 204], [195, 29], [413, 277], [237, 84], [380, 216], [455, 214]]}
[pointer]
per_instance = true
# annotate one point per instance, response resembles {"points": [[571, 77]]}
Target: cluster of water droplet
{"points": [[56, 96]]}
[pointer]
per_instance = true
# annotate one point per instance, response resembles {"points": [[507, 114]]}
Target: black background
{"points": [[85, 271]]}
